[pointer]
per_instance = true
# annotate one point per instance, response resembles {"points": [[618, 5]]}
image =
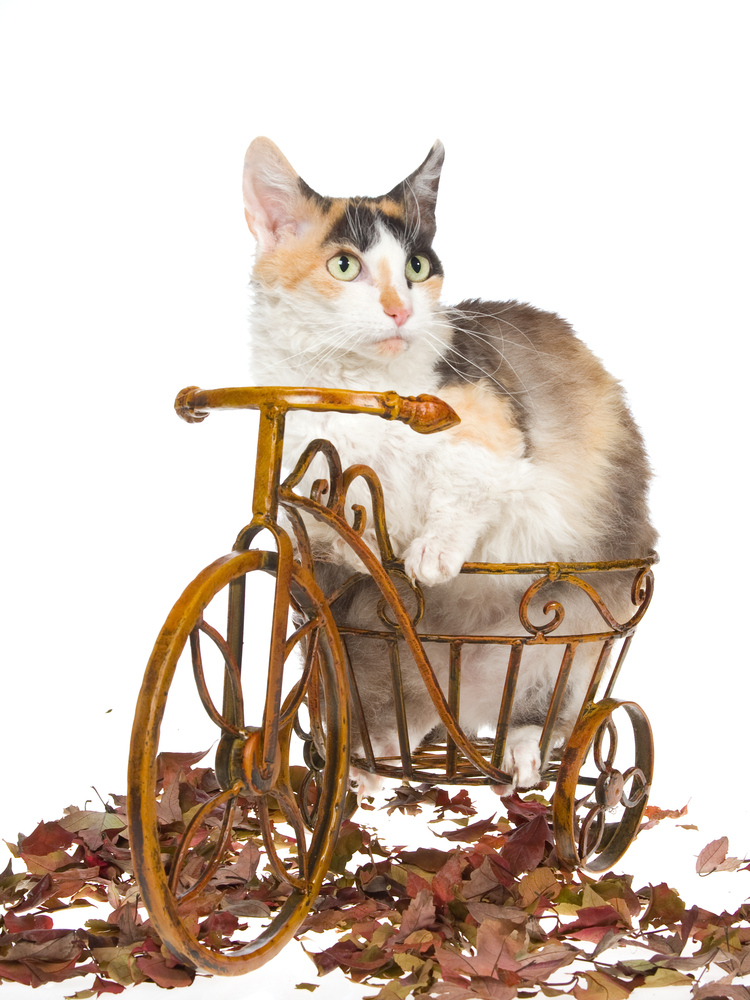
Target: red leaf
{"points": [[106, 986], [415, 884], [519, 810], [169, 765], [31, 922], [665, 907], [655, 815], [47, 837], [17, 972], [592, 923], [524, 848], [446, 880]]}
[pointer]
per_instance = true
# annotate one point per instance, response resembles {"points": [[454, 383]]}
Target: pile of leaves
{"points": [[489, 915]]}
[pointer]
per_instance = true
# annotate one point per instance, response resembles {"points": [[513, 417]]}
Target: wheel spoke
{"points": [[267, 832], [225, 833], [633, 800], [609, 728], [594, 818], [231, 671]]}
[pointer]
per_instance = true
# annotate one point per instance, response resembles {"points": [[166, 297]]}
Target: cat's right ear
{"points": [[271, 190]]}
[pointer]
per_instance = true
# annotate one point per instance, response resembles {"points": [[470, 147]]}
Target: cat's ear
{"points": [[272, 190], [419, 191]]}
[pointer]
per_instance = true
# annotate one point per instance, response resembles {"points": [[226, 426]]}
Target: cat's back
{"points": [[569, 412]]}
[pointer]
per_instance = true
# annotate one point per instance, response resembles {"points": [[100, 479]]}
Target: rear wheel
{"points": [[603, 785]]}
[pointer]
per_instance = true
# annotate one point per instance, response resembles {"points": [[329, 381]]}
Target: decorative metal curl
{"points": [[641, 592]]}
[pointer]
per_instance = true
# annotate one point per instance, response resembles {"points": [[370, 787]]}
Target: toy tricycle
{"points": [[283, 757]]}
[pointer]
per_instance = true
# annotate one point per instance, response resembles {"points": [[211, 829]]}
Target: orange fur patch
{"points": [[486, 418], [304, 258], [389, 297]]}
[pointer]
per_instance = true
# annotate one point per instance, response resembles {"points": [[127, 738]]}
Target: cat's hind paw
{"points": [[522, 759], [432, 560]]}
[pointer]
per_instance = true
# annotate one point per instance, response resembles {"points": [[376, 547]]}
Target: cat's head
{"points": [[361, 271]]}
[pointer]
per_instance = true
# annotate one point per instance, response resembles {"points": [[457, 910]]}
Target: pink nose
{"points": [[399, 314]]}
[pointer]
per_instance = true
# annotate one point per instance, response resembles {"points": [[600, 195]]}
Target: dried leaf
{"points": [[713, 858]]}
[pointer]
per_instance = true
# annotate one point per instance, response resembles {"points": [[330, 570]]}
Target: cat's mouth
{"points": [[391, 346]]}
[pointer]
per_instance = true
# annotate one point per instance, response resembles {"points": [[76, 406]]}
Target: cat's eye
{"points": [[417, 268], [344, 266]]}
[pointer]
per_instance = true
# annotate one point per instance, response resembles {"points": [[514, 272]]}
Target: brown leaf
{"points": [[713, 858], [163, 974], [46, 946], [602, 987], [470, 834], [429, 859], [719, 989], [419, 913], [498, 944]]}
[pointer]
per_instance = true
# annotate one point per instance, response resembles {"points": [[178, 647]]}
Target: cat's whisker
{"points": [[503, 358], [451, 349]]}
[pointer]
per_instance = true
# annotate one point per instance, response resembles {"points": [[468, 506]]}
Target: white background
{"points": [[596, 166]]}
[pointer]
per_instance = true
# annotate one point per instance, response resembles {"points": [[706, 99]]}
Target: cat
{"points": [[546, 464]]}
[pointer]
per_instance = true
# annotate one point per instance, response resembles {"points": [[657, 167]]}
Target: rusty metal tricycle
{"points": [[283, 756]]}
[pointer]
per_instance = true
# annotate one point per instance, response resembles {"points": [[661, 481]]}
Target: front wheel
{"points": [[273, 805]]}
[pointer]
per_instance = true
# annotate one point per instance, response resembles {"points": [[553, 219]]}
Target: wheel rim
{"points": [[246, 783], [596, 814]]}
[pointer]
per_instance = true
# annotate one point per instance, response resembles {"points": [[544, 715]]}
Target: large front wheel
{"points": [[229, 861]]}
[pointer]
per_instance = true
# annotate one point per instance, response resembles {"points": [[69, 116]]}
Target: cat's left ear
{"points": [[419, 191]]}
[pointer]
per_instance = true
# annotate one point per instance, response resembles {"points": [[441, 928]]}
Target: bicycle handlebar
{"points": [[425, 414]]}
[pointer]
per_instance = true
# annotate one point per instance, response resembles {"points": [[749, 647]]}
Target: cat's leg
{"points": [[438, 555], [460, 494]]}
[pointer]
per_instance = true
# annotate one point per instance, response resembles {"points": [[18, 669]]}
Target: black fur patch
{"points": [[360, 226]]}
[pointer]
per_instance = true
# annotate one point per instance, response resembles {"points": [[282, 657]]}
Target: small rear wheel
{"points": [[603, 785], [228, 865]]}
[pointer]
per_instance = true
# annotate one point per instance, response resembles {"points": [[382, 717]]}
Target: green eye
{"points": [[344, 266], [417, 268]]}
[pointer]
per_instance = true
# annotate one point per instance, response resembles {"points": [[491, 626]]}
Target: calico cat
{"points": [[546, 464]]}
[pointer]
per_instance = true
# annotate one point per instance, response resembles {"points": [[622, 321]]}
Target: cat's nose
{"points": [[399, 314]]}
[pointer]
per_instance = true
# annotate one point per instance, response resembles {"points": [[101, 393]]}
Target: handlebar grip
{"points": [[425, 414]]}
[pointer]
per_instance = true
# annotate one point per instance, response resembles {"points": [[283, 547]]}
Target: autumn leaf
{"points": [[713, 858], [655, 815]]}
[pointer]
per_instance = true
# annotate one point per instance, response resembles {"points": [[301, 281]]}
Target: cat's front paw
{"points": [[432, 560]]}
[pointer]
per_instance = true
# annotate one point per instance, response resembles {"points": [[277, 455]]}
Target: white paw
{"points": [[364, 783], [432, 560], [522, 759]]}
